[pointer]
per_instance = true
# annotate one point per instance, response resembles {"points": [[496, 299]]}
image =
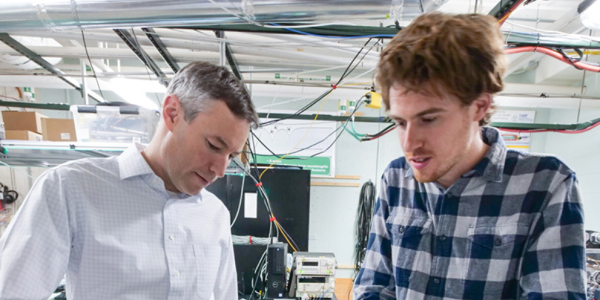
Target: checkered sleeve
{"points": [[376, 277], [554, 262]]}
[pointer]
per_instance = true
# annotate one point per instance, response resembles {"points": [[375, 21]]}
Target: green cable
{"points": [[354, 130], [352, 134]]}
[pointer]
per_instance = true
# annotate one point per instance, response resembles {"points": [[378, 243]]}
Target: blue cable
{"points": [[336, 37], [325, 293]]}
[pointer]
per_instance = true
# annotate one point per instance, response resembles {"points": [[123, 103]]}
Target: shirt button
{"points": [[498, 242], [436, 281], [172, 237], [177, 273], [449, 196], [442, 238], [401, 229]]}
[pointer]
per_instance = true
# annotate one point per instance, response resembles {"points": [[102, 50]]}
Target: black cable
{"points": [[300, 111], [257, 271], [571, 60], [291, 239], [364, 216], [312, 103], [361, 59], [8, 196], [146, 59], [386, 130], [91, 65], [352, 61], [360, 102]]}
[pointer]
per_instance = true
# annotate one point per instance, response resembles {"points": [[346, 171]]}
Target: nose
{"points": [[219, 165], [411, 138]]}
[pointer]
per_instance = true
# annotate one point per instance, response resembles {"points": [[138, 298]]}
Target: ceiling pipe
{"points": [[57, 15], [182, 55]]}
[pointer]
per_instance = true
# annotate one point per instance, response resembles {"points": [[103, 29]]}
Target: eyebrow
{"points": [[224, 145], [423, 113]]}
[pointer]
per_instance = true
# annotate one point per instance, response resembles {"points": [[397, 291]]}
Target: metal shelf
{"points": [[49, 154]]}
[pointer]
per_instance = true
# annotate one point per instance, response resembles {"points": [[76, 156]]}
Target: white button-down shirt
{"points": [[113, 228]]}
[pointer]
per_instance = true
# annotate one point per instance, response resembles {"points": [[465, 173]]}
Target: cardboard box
{"points": [[58, 130], [23, 120], [24, 135]]}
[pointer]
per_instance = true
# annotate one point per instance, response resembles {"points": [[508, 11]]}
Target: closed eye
{"points": [[212, 147]]}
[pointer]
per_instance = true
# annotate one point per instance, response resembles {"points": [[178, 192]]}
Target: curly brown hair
{"points": [[461, 55]]}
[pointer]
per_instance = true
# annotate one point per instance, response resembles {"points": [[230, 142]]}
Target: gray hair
{"points": [[199, 84]]}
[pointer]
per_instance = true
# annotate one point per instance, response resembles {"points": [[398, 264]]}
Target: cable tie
{"points": [[273, 219], [251, 240], [335, 86], [259, 184]]}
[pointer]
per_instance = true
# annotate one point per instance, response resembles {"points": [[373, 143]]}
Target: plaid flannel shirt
{"points": [[511, 228]]}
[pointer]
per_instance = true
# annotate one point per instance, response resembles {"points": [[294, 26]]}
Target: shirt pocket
{"points": [[494, 255], [208, 259], [411, 242]]}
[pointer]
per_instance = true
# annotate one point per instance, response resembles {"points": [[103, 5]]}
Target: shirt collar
{"points": [[132, 163], [491, 167]]}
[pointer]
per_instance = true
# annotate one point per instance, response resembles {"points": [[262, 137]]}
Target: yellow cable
{"points": [[358, 83], [505, 17], [586, 52], [285, 236], [305, 135]]}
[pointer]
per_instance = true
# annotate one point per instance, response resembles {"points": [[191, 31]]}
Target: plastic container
{"points": [[120, 124]]}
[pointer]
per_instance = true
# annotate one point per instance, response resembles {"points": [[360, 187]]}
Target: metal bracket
{"points": [[131, 42], [502, 8], [161, 48], [8, 40], [229, 55]]}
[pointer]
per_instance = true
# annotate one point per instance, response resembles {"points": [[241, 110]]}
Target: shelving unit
{"points": [[50, 154]]}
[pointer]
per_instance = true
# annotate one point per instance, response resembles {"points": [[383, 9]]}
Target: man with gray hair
{"points": [[140, 225]]}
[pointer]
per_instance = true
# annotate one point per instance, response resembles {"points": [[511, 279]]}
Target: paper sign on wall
{"points": [[312, 145], [250, 205], [515, 140]]}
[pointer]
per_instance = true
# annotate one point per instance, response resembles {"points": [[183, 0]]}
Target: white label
{"points": [[65, 136], [250, 205], [85, 134]]}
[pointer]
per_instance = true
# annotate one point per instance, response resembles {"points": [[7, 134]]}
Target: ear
{"points": [[481, 106], [172, 111]]}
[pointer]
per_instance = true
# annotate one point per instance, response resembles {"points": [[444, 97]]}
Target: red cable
{"points": [[374, 138], [554, 54], [551, 130], [7, 97]]}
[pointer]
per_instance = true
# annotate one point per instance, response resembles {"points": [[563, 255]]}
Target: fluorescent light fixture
{"points": [[589, 11], [135, 91]]}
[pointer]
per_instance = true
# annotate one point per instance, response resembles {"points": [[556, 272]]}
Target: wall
{"points": [[581, 152], [333, 209]]}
